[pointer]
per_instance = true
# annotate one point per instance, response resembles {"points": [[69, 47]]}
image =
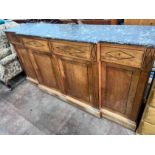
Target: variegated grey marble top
{"points": [[122, 34]]}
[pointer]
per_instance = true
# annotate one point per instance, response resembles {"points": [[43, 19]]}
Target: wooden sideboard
{"points": [[104, 79]]}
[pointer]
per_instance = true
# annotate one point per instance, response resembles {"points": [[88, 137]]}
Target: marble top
{"points": [[122, 34]]}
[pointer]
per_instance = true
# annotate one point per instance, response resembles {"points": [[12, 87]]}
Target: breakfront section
{"points": [[37, 60], [122, 82], [42, 60], [24, 56], [79, 70]]}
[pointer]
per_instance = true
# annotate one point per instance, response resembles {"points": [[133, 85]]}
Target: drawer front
{"points": [[153, 103], [147, 128], [14, 38], [152, 100], [122, 55], [36, 44], [75, 50], [150, 115]]}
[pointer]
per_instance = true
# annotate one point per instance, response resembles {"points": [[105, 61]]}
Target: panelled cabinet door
{"points": [[118, 87], [45, 69], [80, 81], [24, 56]]}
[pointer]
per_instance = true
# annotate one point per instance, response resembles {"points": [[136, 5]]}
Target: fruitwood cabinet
{"points": [[104, 79], [124, 75]]}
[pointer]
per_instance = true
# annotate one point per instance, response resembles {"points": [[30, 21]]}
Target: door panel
{"points": [[24, 57], [45, 68], [77, 80], [118, 87]]}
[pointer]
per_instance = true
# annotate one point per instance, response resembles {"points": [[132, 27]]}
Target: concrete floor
{"points": [[28, 111]]}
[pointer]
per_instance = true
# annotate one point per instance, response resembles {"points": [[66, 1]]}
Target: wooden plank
{"points": [[32, 80], [99, 72], [118, 119], [132, 91], [139, 95], [95, 85]]}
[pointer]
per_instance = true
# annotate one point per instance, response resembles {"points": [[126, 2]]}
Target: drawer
{"points": [[122, 54], [149, 115], [152, 100], [147, 128], [14, 38], [36, 44], [84, 51]]}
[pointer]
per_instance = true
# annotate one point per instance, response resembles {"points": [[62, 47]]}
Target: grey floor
{"points": [[28, 111]]}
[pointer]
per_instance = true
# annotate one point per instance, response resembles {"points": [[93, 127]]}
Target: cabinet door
{"points": [[118, 87], [24, 56], [45, 69], [80, 80]]}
